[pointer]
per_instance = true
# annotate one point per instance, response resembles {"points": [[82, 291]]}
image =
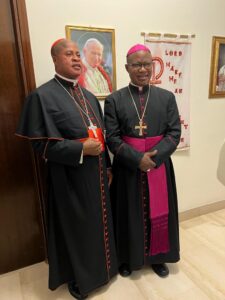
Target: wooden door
{"points": [[21, 233]]}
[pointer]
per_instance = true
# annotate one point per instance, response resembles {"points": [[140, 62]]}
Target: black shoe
{"points": [[74, 291], [124, 270], [161, 270]]}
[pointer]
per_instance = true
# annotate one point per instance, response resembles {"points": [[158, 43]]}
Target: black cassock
{"points": [[80, 233], [129, 189]]}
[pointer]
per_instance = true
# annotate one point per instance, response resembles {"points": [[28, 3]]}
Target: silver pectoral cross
{"points": [[93, 128], [141, 127]]}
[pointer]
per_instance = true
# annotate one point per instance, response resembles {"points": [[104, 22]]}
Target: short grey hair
{"points": [[92, 41]]}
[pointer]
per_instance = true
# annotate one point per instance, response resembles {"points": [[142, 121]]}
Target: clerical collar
{"points": [[140, 88], [73, 81]]}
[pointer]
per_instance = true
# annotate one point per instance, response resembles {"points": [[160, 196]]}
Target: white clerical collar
{"points": [[74, 81], [140, 88]]}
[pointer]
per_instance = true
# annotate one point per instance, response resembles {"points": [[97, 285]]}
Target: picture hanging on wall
{"points": [[97, 48], [217, 71]]}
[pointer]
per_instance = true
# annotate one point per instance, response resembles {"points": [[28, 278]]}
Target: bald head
{"points": [[58, 45], [66, 58]]}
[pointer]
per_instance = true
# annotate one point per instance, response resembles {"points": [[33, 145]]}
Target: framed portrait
{"points": [[217, 71], [97, 48]]}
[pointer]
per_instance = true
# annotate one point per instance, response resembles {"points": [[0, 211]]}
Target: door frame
{"points": [[23, 47]]}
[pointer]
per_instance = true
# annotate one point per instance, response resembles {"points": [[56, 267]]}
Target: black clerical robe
{"points": [[129, 189], [80, 235]]}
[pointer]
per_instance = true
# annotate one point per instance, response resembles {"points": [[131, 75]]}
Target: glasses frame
{"points": [[139, 66]]}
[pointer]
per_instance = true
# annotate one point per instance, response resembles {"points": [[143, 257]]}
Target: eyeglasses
{"points": [[138, 66]]}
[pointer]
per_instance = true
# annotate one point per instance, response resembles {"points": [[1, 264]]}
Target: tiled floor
{"points": [[200, 275]]}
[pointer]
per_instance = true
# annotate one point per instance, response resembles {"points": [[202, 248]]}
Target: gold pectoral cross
{"points": [[141, 127]]}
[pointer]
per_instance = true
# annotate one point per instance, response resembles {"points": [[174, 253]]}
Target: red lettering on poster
{"points": [[157, 61]]}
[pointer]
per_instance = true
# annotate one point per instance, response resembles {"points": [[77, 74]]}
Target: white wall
{"points": [[196, 169]]}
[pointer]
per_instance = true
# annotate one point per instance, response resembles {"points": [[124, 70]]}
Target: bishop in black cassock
{"points": [[62, 120], [143, 130]]}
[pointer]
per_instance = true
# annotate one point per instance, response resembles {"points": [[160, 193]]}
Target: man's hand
{"points": [[92, 147], [146, 162]]}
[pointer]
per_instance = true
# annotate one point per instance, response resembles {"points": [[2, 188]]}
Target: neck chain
{"points": [[141, 125], [85, 112]]}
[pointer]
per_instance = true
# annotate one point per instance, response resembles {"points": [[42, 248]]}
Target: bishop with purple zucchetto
{"points": [[142, 131]]}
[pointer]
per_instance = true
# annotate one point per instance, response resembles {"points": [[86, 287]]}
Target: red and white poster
{"points": [[171, 71]]}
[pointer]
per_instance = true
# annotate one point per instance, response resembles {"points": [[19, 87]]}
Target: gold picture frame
{"points": [[217, 70], [103, 64]]}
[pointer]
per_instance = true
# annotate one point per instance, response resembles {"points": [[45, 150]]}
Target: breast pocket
{"points": [[70, 124]]}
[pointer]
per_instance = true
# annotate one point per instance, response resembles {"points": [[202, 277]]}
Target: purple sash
{"points": [[158, 197]]}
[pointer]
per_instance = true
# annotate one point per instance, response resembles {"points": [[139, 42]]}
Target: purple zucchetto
{"points": [[136, 48]]}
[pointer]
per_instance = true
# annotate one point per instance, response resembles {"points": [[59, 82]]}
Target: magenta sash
{"points": [[158, 197]]}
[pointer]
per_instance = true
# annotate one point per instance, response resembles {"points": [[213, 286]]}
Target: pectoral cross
{"points": [[141, 127], [93, 128]]}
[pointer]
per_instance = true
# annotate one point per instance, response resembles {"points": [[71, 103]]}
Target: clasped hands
{"points": [[92, 147], [146, 163]]}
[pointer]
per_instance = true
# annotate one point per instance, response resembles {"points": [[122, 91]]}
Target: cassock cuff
{"points": [[81, 157]]}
